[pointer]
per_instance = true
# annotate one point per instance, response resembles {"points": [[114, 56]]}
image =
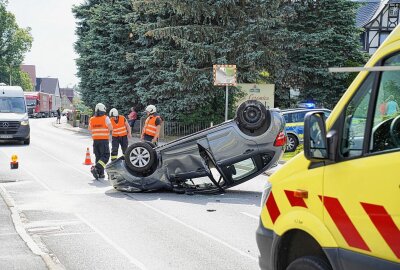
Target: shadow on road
{"points": [[12, 144], [229, 197]]}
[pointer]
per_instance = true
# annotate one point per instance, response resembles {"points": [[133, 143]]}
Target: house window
{"points": [[393, 11]]}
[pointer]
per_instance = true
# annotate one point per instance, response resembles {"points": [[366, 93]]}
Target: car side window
{"points": [[385, 133], [356, 119], [286, 116], [298, 117], [242, 169]]}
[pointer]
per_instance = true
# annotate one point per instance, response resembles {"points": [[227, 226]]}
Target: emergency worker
{"points": [[152, 126], [121, 132], [100, 126]]}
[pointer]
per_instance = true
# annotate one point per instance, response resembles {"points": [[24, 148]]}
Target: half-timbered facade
{"points": [[378, 18]]}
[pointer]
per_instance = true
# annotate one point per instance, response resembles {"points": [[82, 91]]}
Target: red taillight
{"points": [[280, 139]]}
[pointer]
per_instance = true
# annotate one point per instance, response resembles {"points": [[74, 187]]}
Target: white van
{"points": [[14, 121]]}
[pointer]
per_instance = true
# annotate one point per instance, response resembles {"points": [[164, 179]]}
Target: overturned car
{"points": [[228, 154]]}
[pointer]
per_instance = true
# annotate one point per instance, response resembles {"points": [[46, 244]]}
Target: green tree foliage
{"points": [[103, 38], [14, 43], [166, 50], [185, 38], [22, 79], [161, 52], [322, 34]]}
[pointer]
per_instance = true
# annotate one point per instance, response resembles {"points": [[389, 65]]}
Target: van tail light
{"points": [[280, 139]]}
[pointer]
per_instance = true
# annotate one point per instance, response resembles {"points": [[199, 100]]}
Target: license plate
{"points": [[6, 136]]}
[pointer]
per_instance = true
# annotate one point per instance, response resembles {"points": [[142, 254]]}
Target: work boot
{"points": [[94, 172]]}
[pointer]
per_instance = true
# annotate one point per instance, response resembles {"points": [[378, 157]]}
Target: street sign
{"points": [[224, 75], [261, 92]]}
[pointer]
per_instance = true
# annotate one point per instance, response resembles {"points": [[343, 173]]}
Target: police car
{"points": [[294, 128]]}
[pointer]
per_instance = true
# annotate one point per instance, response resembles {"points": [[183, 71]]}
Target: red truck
{"points": [[38, 104]]}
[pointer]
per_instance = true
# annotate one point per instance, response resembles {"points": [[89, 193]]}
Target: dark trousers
{"points": [[116, 142], [101, 150], [149, 138]]}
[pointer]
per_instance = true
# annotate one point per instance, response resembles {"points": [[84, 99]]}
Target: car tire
{"points": [[292, 143], [140, 157], [27, 141], [309, 263], [253, 118]]}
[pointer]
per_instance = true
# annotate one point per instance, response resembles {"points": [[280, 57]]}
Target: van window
{"points": [[12, 105], [387, 108], [356, 119]]}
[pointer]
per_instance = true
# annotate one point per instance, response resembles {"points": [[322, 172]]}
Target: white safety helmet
{"points": [[113, 112], [100, 107], [151, 109]]}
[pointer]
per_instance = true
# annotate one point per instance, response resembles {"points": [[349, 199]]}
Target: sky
{"points": [[53, 29]]}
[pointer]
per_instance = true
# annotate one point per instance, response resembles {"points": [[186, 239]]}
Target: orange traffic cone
{"points": [[88, 161]]}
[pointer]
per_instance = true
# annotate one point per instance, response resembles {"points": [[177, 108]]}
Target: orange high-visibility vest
{"points": [[99, 128], [150, 127], [119, 129]]}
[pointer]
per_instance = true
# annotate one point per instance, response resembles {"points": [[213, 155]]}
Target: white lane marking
{"points": [[109, 241], [38, 180], [63, 162], [197, 230], [249, 215]]}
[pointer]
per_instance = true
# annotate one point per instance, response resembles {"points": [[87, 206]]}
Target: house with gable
{"points": [[67, 97], [50, 86], [378, 18]]}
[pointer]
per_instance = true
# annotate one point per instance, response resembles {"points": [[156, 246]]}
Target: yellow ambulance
{"points": [[338, 205]]}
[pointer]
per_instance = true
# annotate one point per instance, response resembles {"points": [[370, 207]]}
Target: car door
{"points": [[362, 190]]}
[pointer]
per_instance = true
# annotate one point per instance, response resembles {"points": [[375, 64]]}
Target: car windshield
{"points": [[12, 105], [30, 102]]}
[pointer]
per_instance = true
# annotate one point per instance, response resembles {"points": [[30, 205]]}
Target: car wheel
{"points": [[27, 141], [309, 263], [140, 157], [291, 143], [253, 118]]}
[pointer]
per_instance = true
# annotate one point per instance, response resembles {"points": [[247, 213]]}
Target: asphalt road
{"points": [[86, 224]]}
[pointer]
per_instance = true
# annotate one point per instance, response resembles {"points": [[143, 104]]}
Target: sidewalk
{"points": [[14, 250]]}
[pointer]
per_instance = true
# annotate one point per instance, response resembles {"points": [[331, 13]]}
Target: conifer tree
{"points": [[103, 38], [182, 39], [323, 34]]}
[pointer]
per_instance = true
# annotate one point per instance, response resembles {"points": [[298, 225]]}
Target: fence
{"points": [[168, 128], [179, 129]]}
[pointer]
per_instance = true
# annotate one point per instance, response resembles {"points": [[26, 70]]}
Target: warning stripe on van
{"points": [[385, 225], [343, 223], [378, 215], [295, 201], [272, 207]]}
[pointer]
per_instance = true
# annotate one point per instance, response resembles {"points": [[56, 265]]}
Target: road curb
{"points": [[19, 227], [79, 130]]}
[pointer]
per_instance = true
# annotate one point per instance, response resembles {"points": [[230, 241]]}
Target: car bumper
{"points": [[265, 239], [23, 133]]}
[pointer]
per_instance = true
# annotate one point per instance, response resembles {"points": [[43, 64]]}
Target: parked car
{"points": [[14, 121], [294, 128], [228, 154]]}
